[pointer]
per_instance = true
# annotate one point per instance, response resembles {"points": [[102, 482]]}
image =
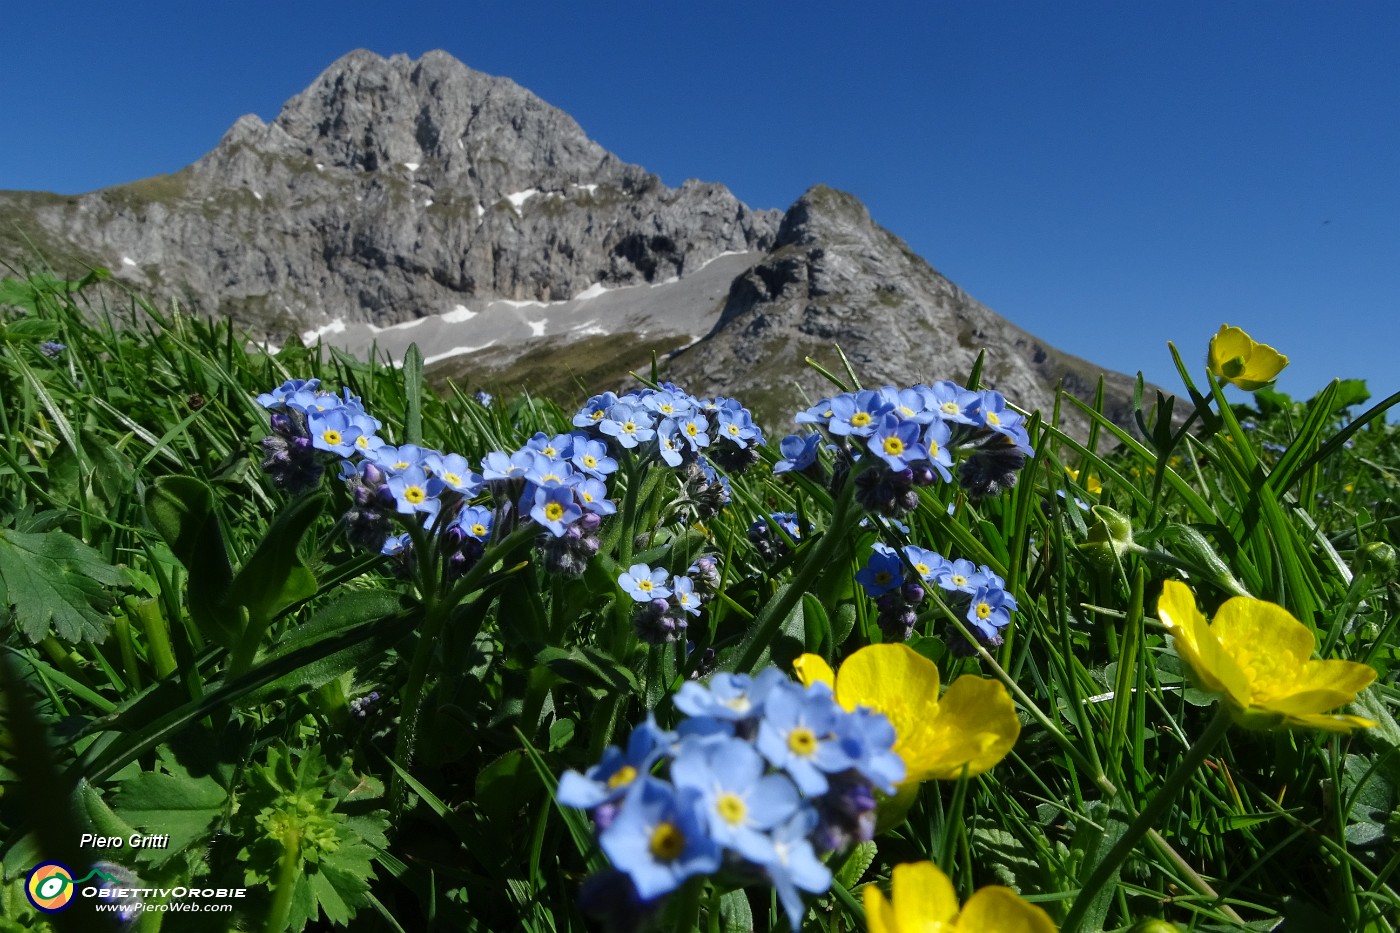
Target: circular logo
{"points": [[50, 887]]}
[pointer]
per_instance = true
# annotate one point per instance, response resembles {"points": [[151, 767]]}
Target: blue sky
{"points": [[1108, 175]]}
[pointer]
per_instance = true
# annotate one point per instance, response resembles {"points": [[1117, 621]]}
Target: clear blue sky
{"points": [[1108, 175]]}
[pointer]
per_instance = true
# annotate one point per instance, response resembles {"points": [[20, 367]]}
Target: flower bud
{"points": [[1376, 557]]}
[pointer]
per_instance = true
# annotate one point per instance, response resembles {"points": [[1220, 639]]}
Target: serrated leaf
{"points": [[182, 806], [857, 861], [55, 578]]}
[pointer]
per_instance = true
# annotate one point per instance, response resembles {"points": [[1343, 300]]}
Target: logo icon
{"points": [[50, 887]]}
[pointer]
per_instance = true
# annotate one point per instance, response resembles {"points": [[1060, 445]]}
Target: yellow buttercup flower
{"points": [[1091, 484], [1260, 658], [972, 725], [922, 900], [1236, 358]]}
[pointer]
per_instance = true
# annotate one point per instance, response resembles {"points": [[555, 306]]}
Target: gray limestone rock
{"points": [[394, 193], [836, 278]]}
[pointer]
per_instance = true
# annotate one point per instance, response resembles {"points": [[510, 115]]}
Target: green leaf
{"points": [[857, 861], [1349, 392], [275, 577], [1270, 402], [182, 510], [735, 912], [55, 578], [182, 806], [589, 668], [413, 395]]}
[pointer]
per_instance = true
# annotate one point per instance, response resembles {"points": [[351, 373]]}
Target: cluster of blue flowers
{"points": [[913, 433], [762, 777], [666, 600], [898, 582], [559, 482], [413, 483], [773, 545], [361, 707], [686, 433]]}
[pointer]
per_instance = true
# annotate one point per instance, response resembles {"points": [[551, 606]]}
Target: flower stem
{"points": [[1149, 816], [288, 872]]}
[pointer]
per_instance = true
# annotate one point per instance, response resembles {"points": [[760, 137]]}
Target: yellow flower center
{"points": [[401, 465], [553, 511], [692, 429], [549, 452], [906, 411], [731, 809], [666, 408], [993, 418], [331, 436], [644, 585], [894, 446], [415, 494], [479, 530], [860, 419], [1269, 673], [923, 569], [597, 415], [622, 777], [739, 704], [733, 429], [590, 461], [587, 497], [983, 610], [802, 741], [452, 479], [959, 580], [629, 426], [362, 442], [949, 408], [667, 842]]}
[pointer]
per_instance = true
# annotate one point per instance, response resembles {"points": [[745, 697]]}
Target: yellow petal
{"points": [[1229, 343], [813, 669], [1264, 364], [1321, 686], [1000, 910], [975, 726], [1251, 626], [1198, 645], [899, 682], [923, 897], [879, 913], [1337, 723]]}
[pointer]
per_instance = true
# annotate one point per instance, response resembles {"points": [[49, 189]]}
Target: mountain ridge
{"points": [[393, 192]]}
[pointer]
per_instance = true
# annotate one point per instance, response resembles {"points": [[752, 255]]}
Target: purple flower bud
{"points": [[590, 521], [913, 593], [373, 475]]}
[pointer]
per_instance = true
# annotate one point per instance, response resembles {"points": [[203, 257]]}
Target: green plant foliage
{"points": [[199, 646], [54, 582], [293, 835]]}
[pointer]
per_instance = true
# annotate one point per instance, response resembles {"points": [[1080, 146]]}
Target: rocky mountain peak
{"points": [[396, 192]]}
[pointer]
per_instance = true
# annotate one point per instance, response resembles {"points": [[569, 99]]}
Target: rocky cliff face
{"points": [[395, 193], [389, 190], [836, 278]]}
